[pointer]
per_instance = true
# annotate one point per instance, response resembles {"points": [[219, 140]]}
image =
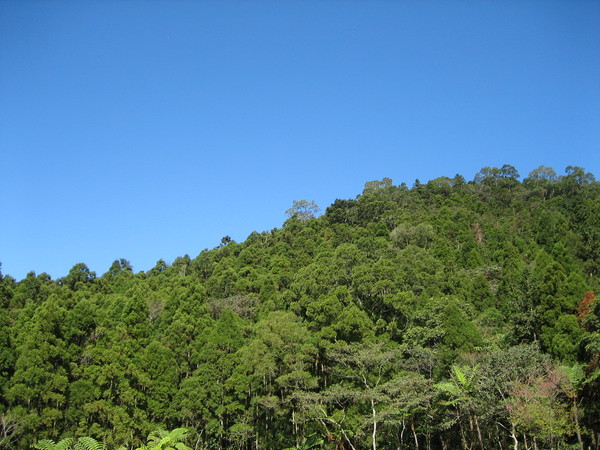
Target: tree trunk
{"points": [[577, 428], [479, 433], [463, 439], [402, 434], [412, 427], [514, 436], [497, 435], [444, 445], [295, 427], [374, 425]]}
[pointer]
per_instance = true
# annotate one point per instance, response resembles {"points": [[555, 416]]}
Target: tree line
{"points": [[448, 314]]}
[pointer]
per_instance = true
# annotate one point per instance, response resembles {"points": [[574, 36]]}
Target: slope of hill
{"points": [[452, 314]]}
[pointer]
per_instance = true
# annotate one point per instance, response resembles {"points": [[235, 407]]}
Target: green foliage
{"points": [[49, 444], [167, 440], [82, 443], [303, 210], [447, 315]]}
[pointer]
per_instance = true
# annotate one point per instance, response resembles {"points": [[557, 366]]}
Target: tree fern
{"points": [[166, 440], [83, 443], [49, 444], [88, 443], [460, 376]]}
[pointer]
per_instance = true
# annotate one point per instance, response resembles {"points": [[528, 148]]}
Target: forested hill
{"points": [[451, 314]]}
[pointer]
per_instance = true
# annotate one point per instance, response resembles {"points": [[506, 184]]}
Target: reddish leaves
{"points": [[584, 307]]}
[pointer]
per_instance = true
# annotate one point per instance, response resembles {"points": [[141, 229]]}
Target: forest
{"points": [[450, 314]]}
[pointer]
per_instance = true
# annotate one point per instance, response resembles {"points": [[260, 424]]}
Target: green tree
{"points": [[461, 392], [275, 365], [167, 440], [363, 371], [303, 210]]}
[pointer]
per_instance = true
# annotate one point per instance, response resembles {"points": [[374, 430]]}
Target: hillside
{"points": [[449, 314]]}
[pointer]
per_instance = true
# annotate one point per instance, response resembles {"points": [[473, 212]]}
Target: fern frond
{"points": [[178, 433], [49, 444], [173, 438], [156, 437], [88, 443], [164, 440], [460, 376], [182, 446], [474, 373], [449, 388], [45, 444], [592, 377], [64, 444]]}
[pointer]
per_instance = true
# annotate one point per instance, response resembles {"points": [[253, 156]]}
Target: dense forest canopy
{"points": [[452, 314]]}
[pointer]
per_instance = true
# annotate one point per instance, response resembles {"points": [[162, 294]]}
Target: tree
{"points": [[10, 429], [206, 397], [40, 381], [303, 210], [536, 407], [494, 173], [543, 173], [508, 171], [225, 240], [119, 266], [460, 389], [374, 186], [275, 365], [579, 175], [362, 370], [167, 440], [78, 276]]}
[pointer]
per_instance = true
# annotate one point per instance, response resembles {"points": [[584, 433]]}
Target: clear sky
{"points": [[150, 129]]}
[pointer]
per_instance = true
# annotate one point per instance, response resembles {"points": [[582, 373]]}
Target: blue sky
{"points": [[150, 129]]}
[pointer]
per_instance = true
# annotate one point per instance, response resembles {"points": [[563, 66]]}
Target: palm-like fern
{"points": [[83, 443], [49, 444], [461, 386], [88, 443], [167, 440], [157, 440]]}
